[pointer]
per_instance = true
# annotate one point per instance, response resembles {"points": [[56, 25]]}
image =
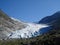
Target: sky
{"points": [[30, 10]]}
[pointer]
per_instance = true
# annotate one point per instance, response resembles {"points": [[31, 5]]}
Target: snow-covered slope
{"points": [[31, 30]]}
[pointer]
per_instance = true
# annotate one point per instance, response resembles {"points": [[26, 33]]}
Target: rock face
{"points": [[8, 25]]}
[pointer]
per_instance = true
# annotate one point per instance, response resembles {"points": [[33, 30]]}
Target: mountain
{"points": [[16, 32], [51, 19], [8, 25]]}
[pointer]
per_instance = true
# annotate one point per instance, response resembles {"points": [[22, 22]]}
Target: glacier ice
{"points": [[31, 30]]}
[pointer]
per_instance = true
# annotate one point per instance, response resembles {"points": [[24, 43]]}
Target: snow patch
{"points": [[15, 19]]}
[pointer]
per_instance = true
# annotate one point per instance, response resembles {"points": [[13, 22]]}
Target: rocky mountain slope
{"points": [[8, 25]]}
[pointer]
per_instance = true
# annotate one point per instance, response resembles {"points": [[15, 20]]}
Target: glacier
{"points": [[30, 31]]}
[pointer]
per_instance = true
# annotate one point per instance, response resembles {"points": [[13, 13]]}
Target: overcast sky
{"points": [[30, 10]]}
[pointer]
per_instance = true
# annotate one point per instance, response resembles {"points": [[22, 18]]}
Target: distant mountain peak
{"points": [[50, 19], [58, 12]]}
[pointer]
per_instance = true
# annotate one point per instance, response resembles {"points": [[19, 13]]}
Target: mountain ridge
{"points": [[50, 19]]}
